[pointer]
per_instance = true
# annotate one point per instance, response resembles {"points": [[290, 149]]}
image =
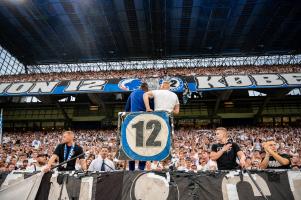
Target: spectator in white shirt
{"points": [[36, 143], [205, 163], [181, 166], [102, 163], [39, 164], [164, 99]]}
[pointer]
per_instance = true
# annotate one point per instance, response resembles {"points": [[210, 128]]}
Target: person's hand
{"points": [[149, 110], [263, 145], [226, 147], [46, 168], [266, 147]]}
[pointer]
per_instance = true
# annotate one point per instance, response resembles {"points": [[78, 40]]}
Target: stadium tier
{"points": [[150, 99]]}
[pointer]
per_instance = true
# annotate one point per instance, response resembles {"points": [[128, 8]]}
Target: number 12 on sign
{"points": [[153, 125]]}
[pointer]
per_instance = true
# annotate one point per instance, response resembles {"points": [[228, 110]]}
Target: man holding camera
{"points": [[226, 151]]}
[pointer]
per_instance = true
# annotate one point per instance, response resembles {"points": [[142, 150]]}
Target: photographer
{"points": [[226, 151]]}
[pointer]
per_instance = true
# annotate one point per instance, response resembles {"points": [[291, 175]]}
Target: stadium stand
{"points": [[147, 73], [150, 99], [190, 153]]}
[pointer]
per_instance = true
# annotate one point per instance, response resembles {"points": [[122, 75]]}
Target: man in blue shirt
{"points": [[135, 103]]}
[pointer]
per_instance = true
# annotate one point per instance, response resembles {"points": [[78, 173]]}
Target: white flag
{"points": [[25, 189]]}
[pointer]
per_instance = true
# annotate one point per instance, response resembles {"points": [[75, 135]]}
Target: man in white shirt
{"points": [[205, 163], [39, 164], [102, 163], [164, 99]]}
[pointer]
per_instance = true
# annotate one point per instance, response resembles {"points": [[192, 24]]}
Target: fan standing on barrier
{"points": [[164, 100], [65, 151], [226, 151], [135, 104]]}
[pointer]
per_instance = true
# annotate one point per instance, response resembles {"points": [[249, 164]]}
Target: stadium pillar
{"points": [[217, 103], [261, 108], [26, 69], [67, 118]]}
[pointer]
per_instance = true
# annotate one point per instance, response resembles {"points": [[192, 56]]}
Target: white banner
{"points": [[248, 81]]}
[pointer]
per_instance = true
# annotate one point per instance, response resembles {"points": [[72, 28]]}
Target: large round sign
{"points": [[146, 136], [149, 186]]}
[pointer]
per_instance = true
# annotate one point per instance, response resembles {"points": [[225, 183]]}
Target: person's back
{"points": [[165, 100], [137, 103]]}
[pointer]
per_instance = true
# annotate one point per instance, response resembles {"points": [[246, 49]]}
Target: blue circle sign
{"points": [[146, 136]]}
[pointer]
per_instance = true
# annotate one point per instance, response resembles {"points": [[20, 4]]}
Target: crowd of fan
{"points": [[145, 73], [191, 148]]}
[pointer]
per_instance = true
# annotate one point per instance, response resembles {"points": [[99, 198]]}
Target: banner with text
{"points": [[125, 185], [178, 84]]}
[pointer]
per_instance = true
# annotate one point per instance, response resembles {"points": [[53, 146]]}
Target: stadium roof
{"points": [[72, 31]]}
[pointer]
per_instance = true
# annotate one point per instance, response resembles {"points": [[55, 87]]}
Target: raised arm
{"points": [[265, 162], [128, 105], [215, 155], [280, 159], [242, 158], [271, 152], [146, 98], [83, 164], [51, 161], [176, 109], [91, 167]]}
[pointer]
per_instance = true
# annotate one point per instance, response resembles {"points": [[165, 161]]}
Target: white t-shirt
{"points": [[34, 168], [165, 100], [210, 164]]}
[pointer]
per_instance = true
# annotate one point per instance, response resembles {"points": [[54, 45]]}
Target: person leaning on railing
{"points": [[164, 100], [272, 159]]}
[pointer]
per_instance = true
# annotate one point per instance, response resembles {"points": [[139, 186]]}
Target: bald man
{"points": [[272, 159], [226, 151], [164, 99], [65, 151]]}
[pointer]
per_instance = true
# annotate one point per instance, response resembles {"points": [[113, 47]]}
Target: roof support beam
{"points": [[166, 63], [96, 100], [67, 118], [221, 96], [260, 110]]}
